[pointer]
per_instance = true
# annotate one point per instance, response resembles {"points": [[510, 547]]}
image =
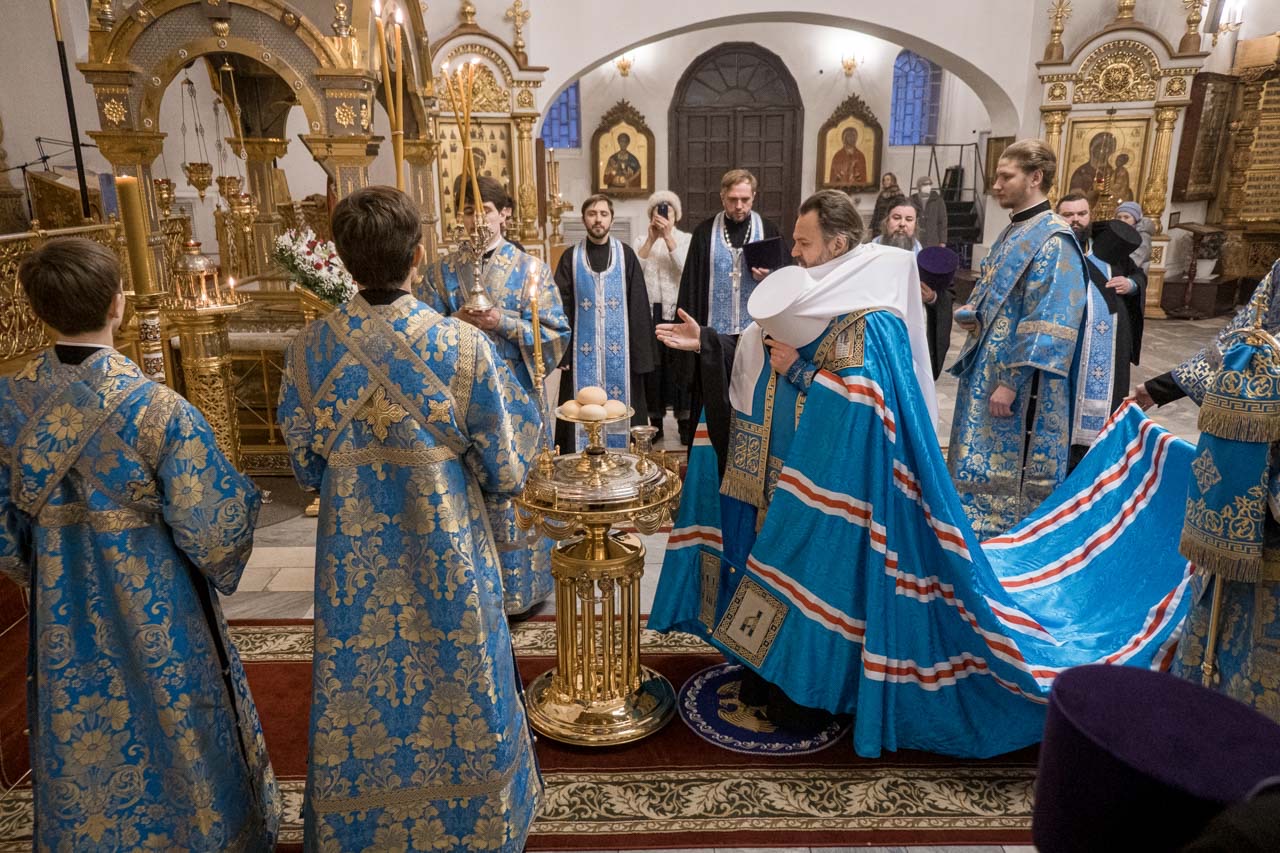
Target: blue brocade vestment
{"points": [[404, 420], [124, 520], [509, 275], [1030, 301]]}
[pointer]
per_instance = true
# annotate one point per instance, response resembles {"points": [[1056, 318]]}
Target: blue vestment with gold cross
{"points": [[509, 276], [403, 420], [1248, 637], [125, 522], [1030, 303]]}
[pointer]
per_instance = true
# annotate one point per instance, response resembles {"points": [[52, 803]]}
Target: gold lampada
{"points": [[200, 309], [471, 243], [598, 694]]}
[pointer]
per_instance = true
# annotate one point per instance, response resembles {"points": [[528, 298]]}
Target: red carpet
{"points": [[670, 790]]}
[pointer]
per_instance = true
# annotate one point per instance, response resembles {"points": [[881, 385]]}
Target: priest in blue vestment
{"points": [[833, 558], [602, 284], [1016, 405], [125, 521], [404, 420], [510, 277], [1248, 632]]}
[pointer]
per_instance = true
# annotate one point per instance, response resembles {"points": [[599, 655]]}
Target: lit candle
{"points": [[397, 138], [133, 213]]}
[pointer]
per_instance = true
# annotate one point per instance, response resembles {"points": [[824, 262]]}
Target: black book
{"points": [[769, 254]]}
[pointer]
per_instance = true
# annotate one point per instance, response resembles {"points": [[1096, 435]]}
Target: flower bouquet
{"points": [[314, 264]]}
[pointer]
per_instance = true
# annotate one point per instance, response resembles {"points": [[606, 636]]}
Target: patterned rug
{"points": [[711, 706], [673, 789]]}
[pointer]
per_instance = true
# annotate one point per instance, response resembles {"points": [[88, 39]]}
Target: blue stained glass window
{"points": [[562, 126], [917, 91]]}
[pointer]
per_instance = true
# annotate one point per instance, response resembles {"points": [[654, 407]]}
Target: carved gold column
{"points": [[527, 203], [1153, 203], [1157, 190], [260, 157], [206, 371], [345, 158], [132, 153], [1235, 260], [1053, 122]]}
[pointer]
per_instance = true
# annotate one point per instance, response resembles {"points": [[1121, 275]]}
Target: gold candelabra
{"points": [[474, 240], [558, 206]]}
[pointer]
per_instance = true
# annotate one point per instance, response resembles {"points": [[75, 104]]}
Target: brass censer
{"points": [[598, 694]]}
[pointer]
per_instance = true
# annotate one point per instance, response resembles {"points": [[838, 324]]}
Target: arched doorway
{"points": [[737, 107]]}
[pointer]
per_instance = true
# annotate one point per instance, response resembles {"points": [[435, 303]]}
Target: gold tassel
{"points": [[1215, 561], [742, 487], [1255, 427]]}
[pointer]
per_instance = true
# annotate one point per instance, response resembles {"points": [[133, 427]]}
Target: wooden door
{"points": [[737, 107]]}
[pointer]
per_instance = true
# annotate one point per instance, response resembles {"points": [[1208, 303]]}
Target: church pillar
{"points": [[1053, 122], [420, 155], [260, 157], [527, 201], [132, 153], [1153, 204], [345, 158], [1235, 260]]}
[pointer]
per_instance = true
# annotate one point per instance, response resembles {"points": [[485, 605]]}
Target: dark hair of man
{"points": [[1069, 197], [70, 283], [836, 216], [893, 204], [491, 191], [375, 231], [1033, 154], [596, 199]]}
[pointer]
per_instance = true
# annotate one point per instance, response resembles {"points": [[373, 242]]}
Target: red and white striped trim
{"points": [[1110, 480], [1157, 617], [809, 604], [1017, 620], [701, 436], [839, 505], [694, 536], [949, 536], [861, 389], [1079, 557]]}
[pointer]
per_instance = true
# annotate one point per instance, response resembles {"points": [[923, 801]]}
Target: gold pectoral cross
{"points": [[735, 279]]}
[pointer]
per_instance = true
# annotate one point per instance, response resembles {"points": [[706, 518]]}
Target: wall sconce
{"points": [[624, 64], [1231, 19], [849, 64]]}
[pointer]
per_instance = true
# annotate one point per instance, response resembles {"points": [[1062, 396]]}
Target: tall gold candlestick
{"points": [[133, 213], [386, 65], [397, 135]]}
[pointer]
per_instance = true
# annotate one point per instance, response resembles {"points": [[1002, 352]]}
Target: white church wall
{"points": [[811, 53]]}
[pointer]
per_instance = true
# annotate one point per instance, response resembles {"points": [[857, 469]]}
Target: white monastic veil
{"points": [[793, 303]]}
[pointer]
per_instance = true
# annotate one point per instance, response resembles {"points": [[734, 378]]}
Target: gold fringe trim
{"points": [[742, 487], [1259, 426], [1215, 561]]}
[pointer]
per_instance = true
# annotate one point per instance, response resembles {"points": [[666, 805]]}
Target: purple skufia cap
{"points": [[937, 265], [1140, 760], [1113, 240]]}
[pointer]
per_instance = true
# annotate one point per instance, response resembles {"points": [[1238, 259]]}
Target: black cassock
{"points": [[695, 287], [1127, 313], [644, 344]]}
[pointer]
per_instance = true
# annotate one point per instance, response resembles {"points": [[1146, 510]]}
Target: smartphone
{"points": [[664, 210]]}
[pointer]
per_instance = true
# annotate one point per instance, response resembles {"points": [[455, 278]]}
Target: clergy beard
{"points": [[598, 232], [900, 240], [1082, 235]]}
